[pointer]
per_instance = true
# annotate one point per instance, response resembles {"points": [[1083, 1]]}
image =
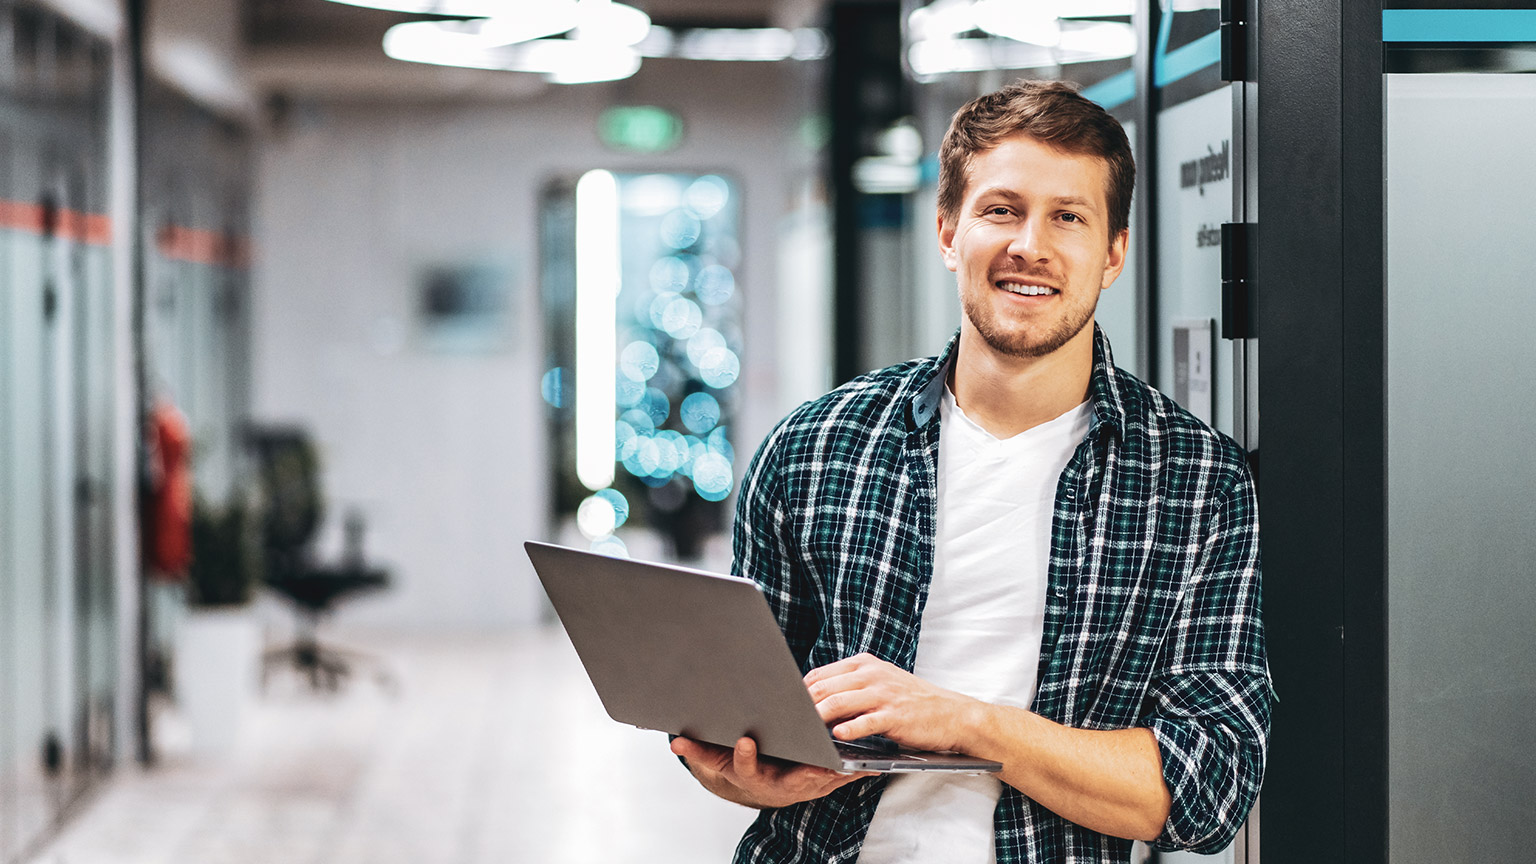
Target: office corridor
{"points": [[493, 749]]}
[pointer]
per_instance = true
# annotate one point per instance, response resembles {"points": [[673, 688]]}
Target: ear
{"points": [[947, 243], [1115, 263]]}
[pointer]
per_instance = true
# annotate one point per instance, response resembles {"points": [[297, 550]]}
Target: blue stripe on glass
{"points": [[928, 170], [1189, 59], [1113, 91], [1458, 25]]}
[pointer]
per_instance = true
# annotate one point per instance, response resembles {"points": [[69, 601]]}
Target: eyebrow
{"points": [[1072, 201], [1059, 200]]}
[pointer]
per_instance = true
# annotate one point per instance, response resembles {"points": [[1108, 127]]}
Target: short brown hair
{"points": [[1052, 112]]}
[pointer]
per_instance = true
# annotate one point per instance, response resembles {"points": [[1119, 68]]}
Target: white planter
{"points": [[217, 666]]}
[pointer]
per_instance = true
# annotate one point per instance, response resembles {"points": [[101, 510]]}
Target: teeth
{"points": [[1026, 290]]}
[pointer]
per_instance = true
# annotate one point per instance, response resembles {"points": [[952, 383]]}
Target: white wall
{"points": [[444, 454]]}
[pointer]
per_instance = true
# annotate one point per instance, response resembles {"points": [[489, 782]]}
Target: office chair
{"points": [[292, 509]]}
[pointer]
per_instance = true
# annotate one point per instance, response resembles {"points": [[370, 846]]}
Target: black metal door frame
{"points": [[1320, 305]]}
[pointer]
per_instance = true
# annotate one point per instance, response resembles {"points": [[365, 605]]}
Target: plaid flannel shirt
{"points": [[1152, 613]]}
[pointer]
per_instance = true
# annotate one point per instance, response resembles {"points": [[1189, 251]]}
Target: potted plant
{"points": [[218, 643]]}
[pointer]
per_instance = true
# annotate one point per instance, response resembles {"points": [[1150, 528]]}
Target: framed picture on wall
{"points": [[465, 308]]}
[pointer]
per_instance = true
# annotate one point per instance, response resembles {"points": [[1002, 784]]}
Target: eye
{"points": [[1071, 217], [997, 210]]}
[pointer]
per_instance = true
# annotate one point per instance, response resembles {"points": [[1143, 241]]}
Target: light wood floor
{"points": [[493, 749]]}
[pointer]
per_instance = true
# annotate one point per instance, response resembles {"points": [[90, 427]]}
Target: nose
{"points": [[1030, 243]]}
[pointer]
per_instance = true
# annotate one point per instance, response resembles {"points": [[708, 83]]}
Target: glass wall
{"points": [[195, 236], [643, 334], [1461, 592], [57, 628]]}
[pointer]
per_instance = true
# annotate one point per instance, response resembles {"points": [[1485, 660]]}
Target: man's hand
{"points": [[1106, 780], [865, 695], [739, 775]]}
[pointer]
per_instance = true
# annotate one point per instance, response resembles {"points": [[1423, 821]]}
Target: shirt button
{"points": [[1071, 493], [1060, 591]]}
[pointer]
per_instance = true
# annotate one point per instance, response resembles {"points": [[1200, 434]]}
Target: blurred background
{"points": [[313, 312]]}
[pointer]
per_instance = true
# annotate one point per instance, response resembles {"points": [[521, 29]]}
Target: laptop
{"points": [[700, 655]]}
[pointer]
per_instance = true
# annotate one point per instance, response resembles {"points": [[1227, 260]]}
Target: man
{"points": [[1065, 581]]}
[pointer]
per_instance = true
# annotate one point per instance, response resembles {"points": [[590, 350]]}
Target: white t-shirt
{"points": [[984, 619]]}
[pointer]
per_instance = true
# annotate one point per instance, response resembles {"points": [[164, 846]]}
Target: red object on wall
{"points": [[170, 518]]}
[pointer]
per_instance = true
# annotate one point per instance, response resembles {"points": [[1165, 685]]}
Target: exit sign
{"points": [[640, 128]]}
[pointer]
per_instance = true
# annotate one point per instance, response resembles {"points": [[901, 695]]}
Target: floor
{"points": [[485, 749]]}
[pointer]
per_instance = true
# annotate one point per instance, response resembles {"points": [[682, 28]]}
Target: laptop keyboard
{"points": [[864, 748]]}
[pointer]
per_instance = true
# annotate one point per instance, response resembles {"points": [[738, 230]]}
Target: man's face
{"points": [[1030, 245]]}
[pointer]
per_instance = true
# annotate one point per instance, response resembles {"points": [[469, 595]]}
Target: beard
{"points": [[1023, 342]]}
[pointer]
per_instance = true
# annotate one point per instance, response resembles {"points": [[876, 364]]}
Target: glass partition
{"points": [[643, 336], [1461, 602], [57, 624]]}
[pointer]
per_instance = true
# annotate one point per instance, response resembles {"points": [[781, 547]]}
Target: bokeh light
{"points": [[707, 195], [670, 274], [618, 502], [680, 229], [700, 412], [639, 361], [552, 387], [611, 546], [681, 318], [623, 434], [719, 367], [715, 285], [627, 392], [656, 405], [702, 342], [640, 420], [719, 441], [595, 517], [712, 477]]}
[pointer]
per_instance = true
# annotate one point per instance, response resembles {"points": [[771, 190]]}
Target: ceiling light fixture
{"points": [[1035, 23], [603, 40], [609, 22], [460, 8], [460, 43], [550, 18], [981, 35]]}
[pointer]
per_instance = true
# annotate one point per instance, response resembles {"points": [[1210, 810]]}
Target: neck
{"points": [[1007, 395]]}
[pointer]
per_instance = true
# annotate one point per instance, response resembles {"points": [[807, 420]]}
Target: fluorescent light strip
{"points": [[464, 43], [465, 8], [597, 294]]}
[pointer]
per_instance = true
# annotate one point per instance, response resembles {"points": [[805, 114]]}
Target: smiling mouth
{"points": [[1025, 290]]}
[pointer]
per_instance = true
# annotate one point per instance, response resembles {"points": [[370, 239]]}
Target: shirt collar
{"points": [[1104, 390]]}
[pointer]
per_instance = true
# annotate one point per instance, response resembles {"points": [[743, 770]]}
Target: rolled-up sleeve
{"points": [[1209, 704]]}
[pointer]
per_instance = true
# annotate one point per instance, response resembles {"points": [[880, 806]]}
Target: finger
{"points": [[862, 726], [828, 684], [854, 694], [744, 759], [822, 673], [841, 667], [699, 753]]}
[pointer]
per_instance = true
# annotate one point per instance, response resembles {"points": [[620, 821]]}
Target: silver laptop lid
{"points": [[699, 654], [684, 651]]}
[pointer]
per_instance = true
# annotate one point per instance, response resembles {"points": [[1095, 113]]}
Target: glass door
{"points": [[1204, 179], [1203, 173], [1460, 600]]}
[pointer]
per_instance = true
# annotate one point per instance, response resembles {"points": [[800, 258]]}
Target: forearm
{"points": [[1110, 781]]}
